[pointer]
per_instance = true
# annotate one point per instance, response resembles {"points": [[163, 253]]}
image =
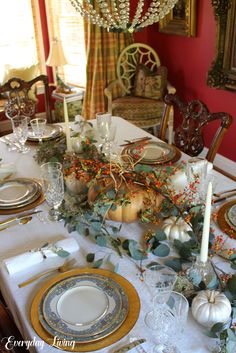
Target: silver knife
{"points": [[19, 217], [139, 141], [225, 197], [129, 346]]}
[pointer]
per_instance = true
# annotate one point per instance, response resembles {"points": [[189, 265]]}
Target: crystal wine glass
{"points": [[160, 281], [38, 126], [53, 187], [20, 131], [103, 125]]}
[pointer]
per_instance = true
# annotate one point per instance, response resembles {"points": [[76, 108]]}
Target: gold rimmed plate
{"points": [[152, 152], [122, 330], [224, 222], [18, 192], [52, 131], [38, 201]]}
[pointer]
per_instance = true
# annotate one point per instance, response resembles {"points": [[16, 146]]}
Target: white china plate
{"points": [[152, 152], [84, 308], [51, 132], [18, 192]]}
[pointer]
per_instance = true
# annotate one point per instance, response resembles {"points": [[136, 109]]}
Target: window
{"points": [[19, 46], [65, 24]]}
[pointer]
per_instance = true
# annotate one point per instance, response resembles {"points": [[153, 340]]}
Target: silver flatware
{"points": [[13, 143], [225, 197], [19, 217], [224, 192], [129, 346], [136, 141]]}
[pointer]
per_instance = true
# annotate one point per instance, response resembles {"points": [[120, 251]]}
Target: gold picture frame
{"points": [[222, 73], [181, 20]]}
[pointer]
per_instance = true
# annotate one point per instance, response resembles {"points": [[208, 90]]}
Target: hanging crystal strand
{"points": [[124, 8], [104, 7], [137, 15], [156, 11]]}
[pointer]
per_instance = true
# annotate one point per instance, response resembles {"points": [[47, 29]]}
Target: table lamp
{"points": [[57, 58]]}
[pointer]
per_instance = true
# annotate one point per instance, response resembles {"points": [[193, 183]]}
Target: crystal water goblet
{"points": [[160, 281], [53, 188], [38, 126], [50, 167], [109, 136], [171, 323], [103, 124], [20, 131], [196, 171]]}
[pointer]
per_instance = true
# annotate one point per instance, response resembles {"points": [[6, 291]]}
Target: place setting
{"points": [[91, 308]]}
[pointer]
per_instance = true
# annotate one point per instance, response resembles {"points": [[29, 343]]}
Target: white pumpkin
{"points": [[176, 228], [74, 185], [210, 307]]}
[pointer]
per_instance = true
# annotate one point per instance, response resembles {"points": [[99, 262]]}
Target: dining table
{"points": [[24, 237]]}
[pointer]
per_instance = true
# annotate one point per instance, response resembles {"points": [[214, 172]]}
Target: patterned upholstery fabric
{"points": [[142, 112]]}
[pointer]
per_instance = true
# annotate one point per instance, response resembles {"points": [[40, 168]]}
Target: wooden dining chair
{"points": [[189, 134], [8, 329], [20, 97]]}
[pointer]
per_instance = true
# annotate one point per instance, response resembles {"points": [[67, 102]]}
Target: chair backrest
{"points": [[18, 101], [129, 58], [189, 134]]}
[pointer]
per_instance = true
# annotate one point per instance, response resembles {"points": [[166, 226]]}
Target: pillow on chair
{"points": [[149, 84], [24, 73]]}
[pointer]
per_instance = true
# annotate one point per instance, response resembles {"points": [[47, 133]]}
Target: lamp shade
{"points": [[56, 55]]}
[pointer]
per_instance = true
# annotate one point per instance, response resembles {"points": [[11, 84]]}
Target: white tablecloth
{"points": [[21, 238]]}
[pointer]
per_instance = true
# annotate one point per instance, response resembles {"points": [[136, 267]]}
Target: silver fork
{"points": [[12, 145]]}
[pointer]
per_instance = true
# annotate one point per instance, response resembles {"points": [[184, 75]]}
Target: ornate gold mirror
{"points": [[222, 73]]}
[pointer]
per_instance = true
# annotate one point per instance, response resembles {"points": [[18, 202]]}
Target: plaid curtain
{"points": [[103, 49]]}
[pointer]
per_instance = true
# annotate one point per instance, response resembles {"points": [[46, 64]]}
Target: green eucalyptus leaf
{"points": [[154, 264], [160, 235], [135, 253], [101, 240], [62, 253], [194, 277], [231, 335], [143, 168], [125, 244], [90, 257], [210, 334], [213, 284], [111, 194], [218, 327], [97, 263], [231, 285], [185, 252], [174, 263], [161, 250], [230, 346]]}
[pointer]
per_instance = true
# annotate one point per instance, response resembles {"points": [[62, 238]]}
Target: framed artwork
{"points": [[222, 73], [181, 20]]}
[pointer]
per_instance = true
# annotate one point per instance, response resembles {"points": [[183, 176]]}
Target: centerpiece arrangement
{"points": [[99, 191]]}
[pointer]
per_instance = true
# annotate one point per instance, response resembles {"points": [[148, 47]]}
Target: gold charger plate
{"points": [[223, 224], [133, 313], [176, 156]]}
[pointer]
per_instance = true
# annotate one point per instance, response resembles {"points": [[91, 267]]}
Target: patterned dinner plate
{"points": [[230, 216], [52, 131], [121, 331], [152, 152], [87, 307], [84, 308], [18, 192]]}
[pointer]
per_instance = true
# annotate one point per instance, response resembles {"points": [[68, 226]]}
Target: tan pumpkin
{"points": [[139, 199]]}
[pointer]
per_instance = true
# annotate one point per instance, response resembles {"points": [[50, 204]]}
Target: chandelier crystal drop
{"points": [[115, 14]]}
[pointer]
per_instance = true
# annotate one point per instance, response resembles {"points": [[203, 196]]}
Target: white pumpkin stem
{"points": [[212, 297]]}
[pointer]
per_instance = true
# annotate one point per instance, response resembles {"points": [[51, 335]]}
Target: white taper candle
{"points": [[68, 141], [206, 225]]}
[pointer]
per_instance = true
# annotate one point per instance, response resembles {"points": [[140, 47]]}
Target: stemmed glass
{"points": [[160, 281], [53, 187], [20, 131], [38, 126], [196, 171], [103, 125]]}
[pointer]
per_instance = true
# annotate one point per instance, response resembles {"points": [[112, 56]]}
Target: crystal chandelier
{"points": [[115, 14]]}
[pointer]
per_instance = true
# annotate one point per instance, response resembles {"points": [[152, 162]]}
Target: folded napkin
{"points": [[6, 170], [32, 257], [179, 179]]}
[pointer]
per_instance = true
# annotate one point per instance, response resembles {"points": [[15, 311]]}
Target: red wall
{"points": [[188, 61]]}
